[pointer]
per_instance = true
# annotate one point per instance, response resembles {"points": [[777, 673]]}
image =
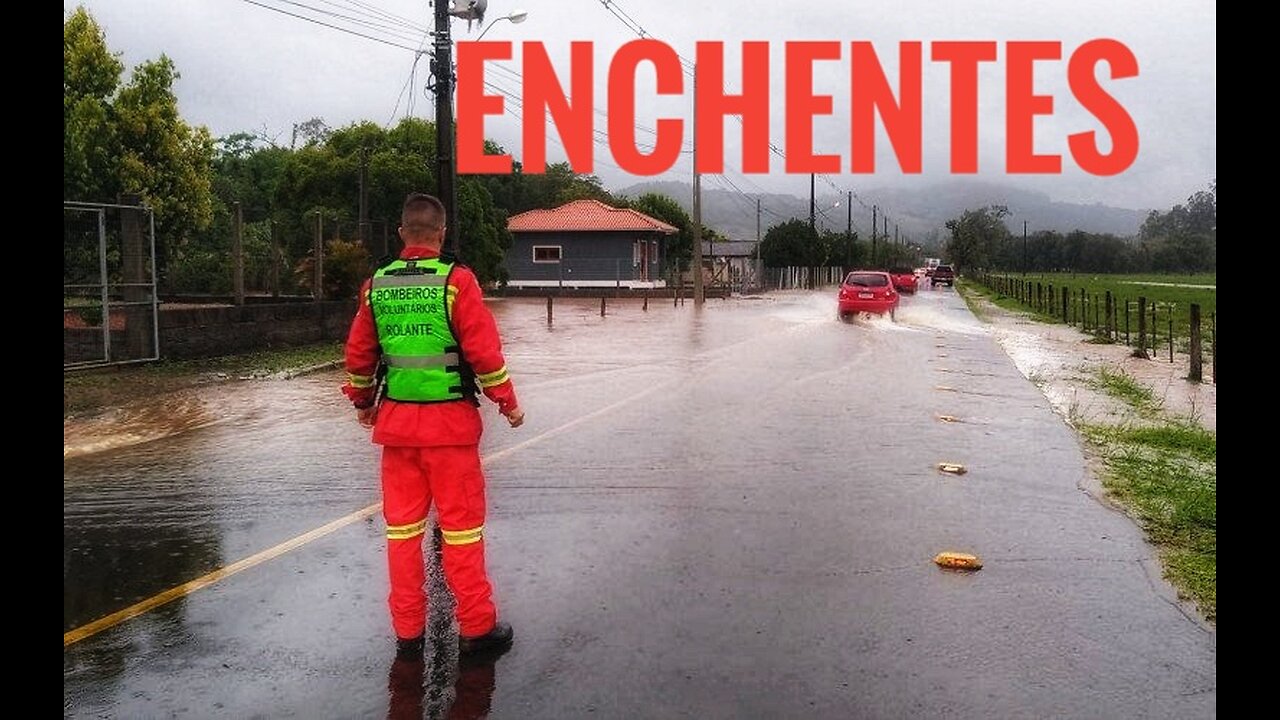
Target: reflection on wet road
{"points": [[730, 513]]}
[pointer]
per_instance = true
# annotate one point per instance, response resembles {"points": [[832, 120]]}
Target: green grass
{"points": [[969, 288], [90, 390], [1167, 477], [1122, 386]]}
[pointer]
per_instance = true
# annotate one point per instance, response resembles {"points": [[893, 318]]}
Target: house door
{"points": [[640, 260]]}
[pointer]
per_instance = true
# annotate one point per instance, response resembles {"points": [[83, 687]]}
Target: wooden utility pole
{"points": [[446, 171], [698, 292]]}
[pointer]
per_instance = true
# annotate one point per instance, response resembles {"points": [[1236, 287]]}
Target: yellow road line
{"points": [[93, 628], [155, 601]]}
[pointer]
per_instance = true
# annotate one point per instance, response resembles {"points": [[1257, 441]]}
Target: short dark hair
{"points": [[422, 210]]}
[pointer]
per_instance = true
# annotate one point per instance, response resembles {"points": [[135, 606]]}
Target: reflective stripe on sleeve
{"points": [[497, 377]]}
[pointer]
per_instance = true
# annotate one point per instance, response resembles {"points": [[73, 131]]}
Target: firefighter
{"points": [[422, 321]]}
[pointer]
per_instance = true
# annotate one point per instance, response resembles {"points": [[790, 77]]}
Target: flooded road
{"points": [[729, 513]]}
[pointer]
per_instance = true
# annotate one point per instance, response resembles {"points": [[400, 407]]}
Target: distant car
{"points": [[943, 274], [867, 291], [904, 279]]}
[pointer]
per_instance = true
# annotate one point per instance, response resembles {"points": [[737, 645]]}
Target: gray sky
{"points": [[247, 68]]}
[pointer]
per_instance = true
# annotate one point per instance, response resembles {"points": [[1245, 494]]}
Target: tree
{"points": [[792, 243], [977, 237], [131, 139], [90, 77]]}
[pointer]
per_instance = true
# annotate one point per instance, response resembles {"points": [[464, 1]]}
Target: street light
{"points": [[516, 17]]}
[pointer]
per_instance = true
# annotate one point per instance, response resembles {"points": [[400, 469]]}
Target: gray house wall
{"points": [[595, 257]]}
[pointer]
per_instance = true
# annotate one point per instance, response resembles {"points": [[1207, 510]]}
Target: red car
{"points": [[867, 291], [904, 279]]}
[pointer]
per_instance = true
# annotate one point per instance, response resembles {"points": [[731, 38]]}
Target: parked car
{"points": [[943, 274], [867, 291], [904, 279]]}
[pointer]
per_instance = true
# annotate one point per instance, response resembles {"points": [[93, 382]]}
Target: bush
{"points": [[346, 265]]}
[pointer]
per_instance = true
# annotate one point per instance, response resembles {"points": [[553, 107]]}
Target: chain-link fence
{"points": [[109, 308]]}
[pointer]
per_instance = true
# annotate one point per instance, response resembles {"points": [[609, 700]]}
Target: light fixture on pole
{"points": [[516, 17]]}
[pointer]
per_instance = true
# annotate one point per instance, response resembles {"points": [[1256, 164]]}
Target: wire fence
{"points": [[1154, 328], [109, 299]]}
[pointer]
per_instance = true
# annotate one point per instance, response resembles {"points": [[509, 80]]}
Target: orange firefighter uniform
{"points": [[431, 452]]}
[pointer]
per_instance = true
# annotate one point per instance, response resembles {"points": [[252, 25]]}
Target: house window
{"points": [[546, 253]]}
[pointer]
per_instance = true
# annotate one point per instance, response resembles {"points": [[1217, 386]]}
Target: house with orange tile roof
{"points": [[586, 243]]}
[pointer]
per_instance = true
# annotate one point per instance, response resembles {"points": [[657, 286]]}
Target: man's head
{"points": [[422, 221]]}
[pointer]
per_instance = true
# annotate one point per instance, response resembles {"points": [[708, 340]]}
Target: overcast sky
{"points": [[245, 67]]}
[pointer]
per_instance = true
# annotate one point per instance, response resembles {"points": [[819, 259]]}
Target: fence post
{"points": [[601, 306], [548, 309], [1066, 317], [1197, 371], [1170, 333], [1126, 321], [646, 299], [237, 255], [317, 291], [1213, 336], [275, 261], [1110, 311], [1155, 349], [1141, 350]]}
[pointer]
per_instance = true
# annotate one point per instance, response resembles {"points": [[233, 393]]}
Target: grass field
{"points": [[1169, 293]]}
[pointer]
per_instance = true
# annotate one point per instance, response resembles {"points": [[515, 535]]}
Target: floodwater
{"points": [[723, 513]]}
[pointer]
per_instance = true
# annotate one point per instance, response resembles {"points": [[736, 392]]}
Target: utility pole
{"points": [[365, 240], [848, 232], [812, 208], [446, 171], [895, 235], [874, 208], [698, 292], [1024, 247]]}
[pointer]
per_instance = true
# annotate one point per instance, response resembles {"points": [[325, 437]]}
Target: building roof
{"points": [[728, 248], [586, 216]]}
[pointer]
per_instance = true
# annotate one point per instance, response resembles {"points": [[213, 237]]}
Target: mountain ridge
{"points": [[919, 213]]}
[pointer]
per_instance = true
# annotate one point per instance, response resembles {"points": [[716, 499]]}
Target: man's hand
{"points": [[367, 416], [515, 416]]}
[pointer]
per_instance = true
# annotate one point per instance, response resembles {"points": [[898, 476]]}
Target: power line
{"points": [[374, 25], [374, 10], [329, 25]]}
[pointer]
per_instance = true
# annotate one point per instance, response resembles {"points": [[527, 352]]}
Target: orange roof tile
{"points": [[586, 216]]}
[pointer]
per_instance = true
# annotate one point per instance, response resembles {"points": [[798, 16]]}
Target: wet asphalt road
{"points": [[725, 514]]}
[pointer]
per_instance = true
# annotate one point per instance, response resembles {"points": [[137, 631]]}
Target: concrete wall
{"points": [[199, 332]]}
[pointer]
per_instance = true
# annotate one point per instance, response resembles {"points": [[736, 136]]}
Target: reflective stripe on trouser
{"points": [[450, 475]]}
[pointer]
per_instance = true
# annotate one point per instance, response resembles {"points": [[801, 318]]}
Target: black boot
{"points": [[495, 642]]}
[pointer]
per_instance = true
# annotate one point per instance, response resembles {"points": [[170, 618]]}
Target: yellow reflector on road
{"points": [[952, 468], [948, 418], [958, 560], [944, 388]]}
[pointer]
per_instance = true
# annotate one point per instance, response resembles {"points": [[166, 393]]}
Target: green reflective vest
{"points": [[410, 303]]}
